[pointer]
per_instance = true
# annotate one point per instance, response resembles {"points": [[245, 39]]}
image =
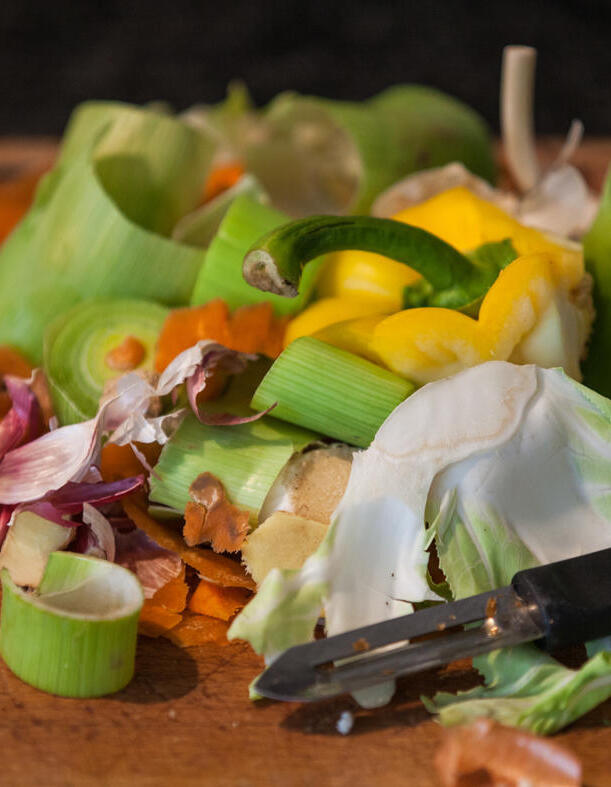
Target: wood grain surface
{"points": [[186, 719]]}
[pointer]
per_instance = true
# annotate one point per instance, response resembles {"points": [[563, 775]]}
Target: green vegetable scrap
{"points": [[221, 274], [76, 635], [317, 155], [452, 280], [246, 458], [99, 220], [330, 391], [78, 351]]}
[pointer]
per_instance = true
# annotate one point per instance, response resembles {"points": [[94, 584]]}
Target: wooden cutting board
{"points": [[186, 719]]}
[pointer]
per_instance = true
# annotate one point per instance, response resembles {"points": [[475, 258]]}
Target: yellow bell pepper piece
{"points": [[427, 344], [364, 275], [332, 310], [460, 218], [515, 302], [466, 221]]}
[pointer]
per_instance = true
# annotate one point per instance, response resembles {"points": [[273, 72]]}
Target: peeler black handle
{"points": [[572, 598]]}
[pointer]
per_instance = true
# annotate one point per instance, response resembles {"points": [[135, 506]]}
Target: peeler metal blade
{"points": [[383, 651]]}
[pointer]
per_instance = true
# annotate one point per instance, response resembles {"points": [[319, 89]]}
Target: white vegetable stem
{"points": [[517, 124]]}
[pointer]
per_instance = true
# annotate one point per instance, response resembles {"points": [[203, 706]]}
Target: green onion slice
{"points": [[76, 635], [331, 391]]}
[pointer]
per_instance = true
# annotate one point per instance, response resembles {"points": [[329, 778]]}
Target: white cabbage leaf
{"points": [[510, 466]]}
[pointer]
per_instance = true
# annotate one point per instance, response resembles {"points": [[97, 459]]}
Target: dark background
{"points": [[57, 53]]}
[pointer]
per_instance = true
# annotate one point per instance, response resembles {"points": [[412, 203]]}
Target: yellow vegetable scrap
{"points": [[537, 311]]}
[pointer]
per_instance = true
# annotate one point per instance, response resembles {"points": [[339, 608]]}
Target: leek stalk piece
{"points": [[451, 280], [221, 275], [99, 221], [247, 458], [75, 636], [331, 391], [76, 346], [316, 155], [199, 227]]}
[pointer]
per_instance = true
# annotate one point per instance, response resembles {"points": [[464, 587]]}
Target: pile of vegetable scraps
{"points": [[261, 369]]}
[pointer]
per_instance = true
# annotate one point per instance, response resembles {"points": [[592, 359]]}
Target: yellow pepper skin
{"points": [[458, 217], [364, 275], [527, 316], [327, 311], [467, 221]]}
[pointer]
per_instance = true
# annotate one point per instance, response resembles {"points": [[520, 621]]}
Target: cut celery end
{"points": [[246, 458], [75, 637], [221, 274], [331, 391], [76, 345]]}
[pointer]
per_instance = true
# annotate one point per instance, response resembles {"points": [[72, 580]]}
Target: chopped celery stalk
{"points": [[199, 227], [276, 261], [247, 458], [331, 391], [221, 274], [77, 347], [316, 155], [75, 636], [96, 227]]}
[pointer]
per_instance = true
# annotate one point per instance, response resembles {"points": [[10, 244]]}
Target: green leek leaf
{"points": [[316, 155], [247, 458], [331, 391], [125, 176], [221, 275], [76, 345]]}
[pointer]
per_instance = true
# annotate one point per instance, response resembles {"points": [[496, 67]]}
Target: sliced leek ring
{"points": [[76, 635], [77, 343]]}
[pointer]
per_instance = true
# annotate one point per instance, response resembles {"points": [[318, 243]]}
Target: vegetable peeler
{"points": [[554, 605]]}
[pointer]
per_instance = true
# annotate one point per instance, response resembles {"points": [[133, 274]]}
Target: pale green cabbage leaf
{"points": [[511, 467]]}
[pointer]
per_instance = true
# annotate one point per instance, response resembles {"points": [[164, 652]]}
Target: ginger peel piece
{"points": [[282, 541], [215, 568], [211, 518]]}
